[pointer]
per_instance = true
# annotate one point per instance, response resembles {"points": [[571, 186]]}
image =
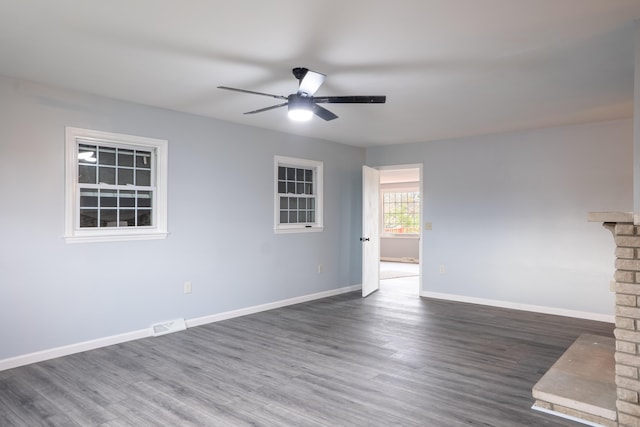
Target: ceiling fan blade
{"points": [[323, 113], [273, 107], [374, 99], [252, 92], [310, 81]]}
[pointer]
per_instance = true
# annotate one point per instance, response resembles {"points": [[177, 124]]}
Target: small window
{"points": [[401, 212], [116, 186], [298, 195]]}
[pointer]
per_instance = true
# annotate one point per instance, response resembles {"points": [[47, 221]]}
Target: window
{"points": [[298, 195], [401, 212], [116, 186]]}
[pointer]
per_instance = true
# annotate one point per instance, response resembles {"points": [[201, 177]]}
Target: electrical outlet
{"points": [[320, 268], [442, 269], [187, 287]]}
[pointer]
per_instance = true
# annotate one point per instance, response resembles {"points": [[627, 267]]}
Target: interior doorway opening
{"points": [[400, 229]]}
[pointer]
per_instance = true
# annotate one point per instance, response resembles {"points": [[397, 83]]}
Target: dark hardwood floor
{"points": [[391, 359]]}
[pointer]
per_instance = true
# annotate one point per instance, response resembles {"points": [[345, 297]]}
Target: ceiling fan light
{"points": [[300, 114], [300, 108]]}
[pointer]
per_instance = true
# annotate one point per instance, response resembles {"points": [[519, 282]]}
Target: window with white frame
{"points": [[298, 195], [116, 186], [400, 212]]}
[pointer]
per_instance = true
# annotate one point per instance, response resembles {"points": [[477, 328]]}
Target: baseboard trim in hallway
{"points": [[609, 318], [40, 356]]}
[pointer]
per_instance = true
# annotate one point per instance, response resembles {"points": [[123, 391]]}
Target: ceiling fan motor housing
{"points": [[297, 101]]}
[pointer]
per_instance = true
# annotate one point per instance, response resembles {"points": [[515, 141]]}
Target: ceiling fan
{"points": [[302, 105]]}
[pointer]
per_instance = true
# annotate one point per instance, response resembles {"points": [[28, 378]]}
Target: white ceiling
{"points": [[396, 176], [449, 68]]}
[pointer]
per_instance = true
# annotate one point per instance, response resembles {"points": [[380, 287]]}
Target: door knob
{"points": [[364, 239]]}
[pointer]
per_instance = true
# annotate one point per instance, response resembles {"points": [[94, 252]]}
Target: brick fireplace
{"points": [[627, 313], [597, 380]]}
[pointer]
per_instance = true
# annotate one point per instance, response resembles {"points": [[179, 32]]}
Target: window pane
{"points": [[87, 154], [401, 214], [144, 217], [108, 218], [125, 176], [143, 178], [127, 199], [88, 218], [88, 198], [125, 158], [86, 174], [143, 160], [106, 175], [144, 199], [108, 198], [110, 172], [127, 218], [107, 156], [296, 181]]}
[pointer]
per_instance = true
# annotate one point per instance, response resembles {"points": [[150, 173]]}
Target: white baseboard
{"points": [[609, 318], [403, 259], [40, 356], [198, 321]]}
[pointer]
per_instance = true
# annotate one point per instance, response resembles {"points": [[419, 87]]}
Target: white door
{"points": [[370, 230]]}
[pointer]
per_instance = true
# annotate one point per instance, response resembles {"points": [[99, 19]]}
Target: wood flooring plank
{"points": [[391, 359]]}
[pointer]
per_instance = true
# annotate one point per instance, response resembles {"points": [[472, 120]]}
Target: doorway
{"points": [[398, 213]]}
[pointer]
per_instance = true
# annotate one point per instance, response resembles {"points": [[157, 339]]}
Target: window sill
{"points": [[93, 238], [298, 230]]}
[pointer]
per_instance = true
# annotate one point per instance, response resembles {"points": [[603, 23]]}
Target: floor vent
{"points": [[168, 327]]}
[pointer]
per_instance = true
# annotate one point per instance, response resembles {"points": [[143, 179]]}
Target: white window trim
{"points": [[318, 166], [73, 234]]}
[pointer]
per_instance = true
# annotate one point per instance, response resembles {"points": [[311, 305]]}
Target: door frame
{"points": [[420, 167]]}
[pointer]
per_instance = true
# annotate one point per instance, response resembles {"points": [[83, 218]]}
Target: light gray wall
{"points": [[220, 223], [398, 248], [509, 213]]}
